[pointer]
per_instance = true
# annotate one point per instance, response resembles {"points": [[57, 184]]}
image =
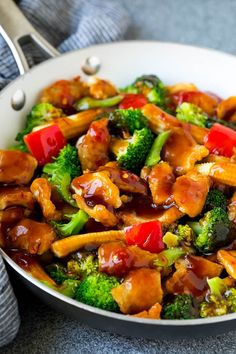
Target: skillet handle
{"points": [[17, 30]]}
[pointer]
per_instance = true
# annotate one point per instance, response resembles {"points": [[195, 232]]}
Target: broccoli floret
{"points": [[82, 267], [64, 168], [59, 273], [89, 102], [154, 155], [185, 234], [69, 287], [41, 113], [151, 87], [213, 230], [220, 301], [132, 155], [231, 299], [123, 121], [168, 257], [73, 227], [95, 290], [181, 308], [214, 306], [190, 113], [215, 198]]}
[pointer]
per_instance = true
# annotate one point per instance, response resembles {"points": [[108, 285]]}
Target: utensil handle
{"points": [[17, 30]]}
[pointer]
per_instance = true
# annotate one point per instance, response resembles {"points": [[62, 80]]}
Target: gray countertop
{"points": [[207, 23]]}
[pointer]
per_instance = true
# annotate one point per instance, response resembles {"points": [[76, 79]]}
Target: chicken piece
{"points": [[182, 152], [102, 89], [116, 258], [16, 167], [191, 276], [12, 215], [140, 290], [94, 147], [64, 93], [207, 102], [227, 109], [180, 87], [16, 196], [170, 215], [161, 179], [99, 212], [190, 192], [2, 238], [232, 208], [165, 216], [42, 190], [228, 260], [31, 236], [153, 313], [97, 188], [125, 180], [160, 121]]}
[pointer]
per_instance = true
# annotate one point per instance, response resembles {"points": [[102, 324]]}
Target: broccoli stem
{"points": [[217, 286], [74, 226], [88, 102], [168, 257], [154, 155], [195, 226]]}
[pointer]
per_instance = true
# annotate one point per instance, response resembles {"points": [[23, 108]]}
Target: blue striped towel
{"points": [[67, 25]]}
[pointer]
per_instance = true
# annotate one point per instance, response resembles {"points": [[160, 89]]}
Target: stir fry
{"points": [[125, 199]]}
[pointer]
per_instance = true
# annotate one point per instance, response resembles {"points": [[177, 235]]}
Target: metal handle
{"points": [[17, 30]]}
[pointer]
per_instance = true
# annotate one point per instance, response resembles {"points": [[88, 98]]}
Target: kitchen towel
{"points": [[67, 25]]}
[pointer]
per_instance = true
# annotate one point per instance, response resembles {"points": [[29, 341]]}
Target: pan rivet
{"points": [[91, 65], [18, 100]]}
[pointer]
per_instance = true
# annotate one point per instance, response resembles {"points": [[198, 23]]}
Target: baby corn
{"points": [[62, 248]]}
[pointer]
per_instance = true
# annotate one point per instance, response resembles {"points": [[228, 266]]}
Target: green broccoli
{"points": [[95, 290], [212, 231], [73, 227], [231, 299], [123, 121], [151, 87], [190, 113], [40, 114], [132, 153], [82, 267], [64, 168], [182, 308], [185, 234], [154, 155], [89, 102], [68, 288], [215, 198], [59, 273], [220, 301], [168, 257]]}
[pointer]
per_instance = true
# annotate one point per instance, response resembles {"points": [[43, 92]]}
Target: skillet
{"points": [[121, 63]]}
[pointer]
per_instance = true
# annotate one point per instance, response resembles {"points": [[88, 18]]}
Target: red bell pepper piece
{"points": [[220, 140], [147, 236], [45, 143], [133, 100]]}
